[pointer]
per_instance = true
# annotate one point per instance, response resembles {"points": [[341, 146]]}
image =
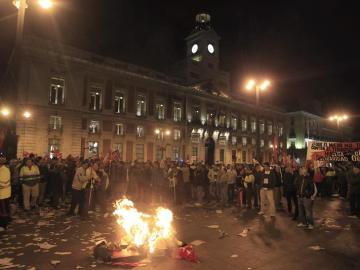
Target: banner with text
{"points": [[333, 151]]}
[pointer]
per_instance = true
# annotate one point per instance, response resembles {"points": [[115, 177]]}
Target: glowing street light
{"points": [[5, 112], [167, 132], [157, 131], [27, 114], [338, 119], [258, 87], [45, 4]]}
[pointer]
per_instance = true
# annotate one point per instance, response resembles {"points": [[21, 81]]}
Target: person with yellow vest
{"points": [[30, 177], [5, 194]]}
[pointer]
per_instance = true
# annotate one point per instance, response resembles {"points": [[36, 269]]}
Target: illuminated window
{"points": [[253, 141], [94, 127], [119, 147], [139, 152], [222, 119], [269, 128], [244, 141], [281, 130], [233, 123], [253, 125], [119, 102], [262, 143], [140, 105], [262, 127], [176, 153], [196, 113], [119, 129], [53, 147], [95, 99], [233, 140], [177, 134], [194, 153], [177, 112], [139, 131], [93, 147], [55, 123], [243, 124], [160, 111], [210, 115], [57, 91]]}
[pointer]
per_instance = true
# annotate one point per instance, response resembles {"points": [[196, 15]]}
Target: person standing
{"points": [[231, 176], [78, 185], [354, 192], [44, 172], [212, 175], [249, 184], [5, 194], [306, 190], [223, 191], [258, 173], [267, 191], [277, 187], [290, 191], [30, 176], [186, 177], [89, 187]]}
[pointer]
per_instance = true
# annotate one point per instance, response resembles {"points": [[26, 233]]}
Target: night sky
{"points": [[311, 51]]}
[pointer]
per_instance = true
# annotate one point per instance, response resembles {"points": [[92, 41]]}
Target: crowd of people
{"points": [[36, 182]]}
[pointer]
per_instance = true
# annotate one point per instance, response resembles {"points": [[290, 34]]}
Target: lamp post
{"points": [[160, 134], [21, 5], [339, 119], [26, 115], [253, 85]]}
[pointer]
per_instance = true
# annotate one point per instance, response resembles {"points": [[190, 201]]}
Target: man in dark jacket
{"points": [[290, 191], [306, 190], [354, 192], [267, 191]]}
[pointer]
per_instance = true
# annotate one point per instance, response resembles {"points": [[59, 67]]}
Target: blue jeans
{"points": [[306, 211]]}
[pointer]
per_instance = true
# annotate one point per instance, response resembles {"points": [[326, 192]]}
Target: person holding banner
{"points": [[306, 190], [354, 192]]}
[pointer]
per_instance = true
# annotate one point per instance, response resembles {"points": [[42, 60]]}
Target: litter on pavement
{"points": [[316, 248]]}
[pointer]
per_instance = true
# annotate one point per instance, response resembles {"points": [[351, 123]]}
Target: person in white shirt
{"points": [[231, 175]]}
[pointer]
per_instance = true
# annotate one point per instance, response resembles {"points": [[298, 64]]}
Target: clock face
{"points": [[194, 48], [211, 48]]}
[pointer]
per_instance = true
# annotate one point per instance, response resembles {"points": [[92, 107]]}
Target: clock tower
{"points": [[202, 55]]}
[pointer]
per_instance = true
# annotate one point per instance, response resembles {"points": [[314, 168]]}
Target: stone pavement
{"points": [[32, 243]]}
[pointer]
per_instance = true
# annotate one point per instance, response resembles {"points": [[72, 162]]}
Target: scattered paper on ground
{"points": [[219, 211], [316, 248], [55, 262], [213, 226], [234, 256], [243, 233], [62, 253], [46, 245], [197, 242]]}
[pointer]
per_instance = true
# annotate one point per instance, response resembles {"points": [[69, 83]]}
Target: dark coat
{"points": [[354, 181]]}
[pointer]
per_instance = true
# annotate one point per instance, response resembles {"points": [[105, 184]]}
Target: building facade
{"points": [[304, 126], [85, 104]]}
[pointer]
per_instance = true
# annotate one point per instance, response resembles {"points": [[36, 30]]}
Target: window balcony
{"points": [[55, 128]]}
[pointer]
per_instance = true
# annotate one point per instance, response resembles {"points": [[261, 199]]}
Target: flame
{"points": [[143, 230]]}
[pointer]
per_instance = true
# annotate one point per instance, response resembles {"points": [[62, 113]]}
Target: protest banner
{"points": [[333, 151]]}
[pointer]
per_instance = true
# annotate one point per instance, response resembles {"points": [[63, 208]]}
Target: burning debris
{"points": [[143, 230], [142, 235]]}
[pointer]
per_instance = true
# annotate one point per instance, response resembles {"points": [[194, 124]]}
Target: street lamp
{"points": [[258, 86], [338, 119], [26, 115], [21, 5], [5, 112]]}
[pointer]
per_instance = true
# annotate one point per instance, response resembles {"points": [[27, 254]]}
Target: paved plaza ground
{"points": [[33, 242]]}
